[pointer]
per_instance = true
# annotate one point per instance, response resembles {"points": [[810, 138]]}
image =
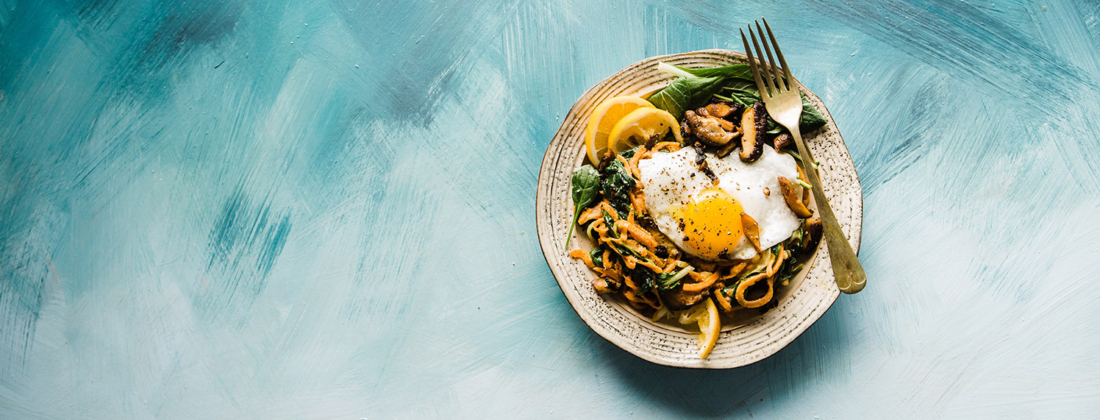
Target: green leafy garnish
{"points": [[741, 91], [686, 93], [733, 83], [794, 154], [788, 271], [629, 153], [729, 289], [794, 243], [586, 186], [616, 185], [745, 93], [625, 251], [643, 278], [610, 224], [811, 118], [736, 71], [669, 281], [597, 255]]}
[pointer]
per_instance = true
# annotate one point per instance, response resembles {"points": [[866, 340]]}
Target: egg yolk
{"points": [[711, 223]]}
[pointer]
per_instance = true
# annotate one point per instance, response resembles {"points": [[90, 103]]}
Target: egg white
{"points": [[670, 180]]}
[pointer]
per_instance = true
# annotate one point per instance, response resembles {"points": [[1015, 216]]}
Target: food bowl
{"points": [[752, 335]]}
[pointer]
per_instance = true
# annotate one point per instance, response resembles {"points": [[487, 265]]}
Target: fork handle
{"points": [[847, 270]]}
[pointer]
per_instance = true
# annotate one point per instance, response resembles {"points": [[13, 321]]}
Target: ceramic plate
{"points": [[745, 340]]}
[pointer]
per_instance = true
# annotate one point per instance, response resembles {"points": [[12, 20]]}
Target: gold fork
{"points": [[784, 104]]}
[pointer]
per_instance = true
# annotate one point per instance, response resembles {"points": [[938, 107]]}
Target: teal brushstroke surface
{"points": [[324, 209]]}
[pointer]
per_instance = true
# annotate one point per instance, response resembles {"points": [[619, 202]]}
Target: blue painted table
{"points": [[325, 209]]}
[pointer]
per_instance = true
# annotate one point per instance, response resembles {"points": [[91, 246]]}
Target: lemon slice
{"points": [[640, 125], [705, 315], [603, 119], [709, 327]]}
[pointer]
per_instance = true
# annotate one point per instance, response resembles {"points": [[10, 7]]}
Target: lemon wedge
{"points": [[641, 125], [709, 327], [705, 315], [603, 120]]}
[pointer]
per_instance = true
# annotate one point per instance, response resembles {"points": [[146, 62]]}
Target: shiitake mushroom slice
{"points": [[814, 229], [720, 109], [710, 130], [754, 126], [792, 199], [752, 230], [783, 140]]}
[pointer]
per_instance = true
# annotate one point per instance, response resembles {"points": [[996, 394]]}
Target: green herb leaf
{"points": [[745, 93], [736, 71], [773, 127], [597, 255], [643, 277], [629, 153], [669, 281], [686, 93], [811, 118], [732, 286], [733, 83], [794, 243], [616, 185], [586, 186], [624, 251], [610, 225], [789, 270]]}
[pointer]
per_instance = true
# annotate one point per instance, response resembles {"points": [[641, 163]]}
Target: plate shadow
{"points": [[820, 356]]}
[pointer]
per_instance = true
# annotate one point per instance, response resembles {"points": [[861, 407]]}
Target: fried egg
{"points": [[704, 219]]}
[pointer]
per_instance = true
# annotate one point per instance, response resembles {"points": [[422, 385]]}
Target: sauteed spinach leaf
{"points": [[586, 186], [616, 184], [686, 93], [669, 281], [643, 278], [736, 71], [596, 254]]}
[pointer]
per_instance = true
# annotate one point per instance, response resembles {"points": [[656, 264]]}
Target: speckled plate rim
{"points": [[741, 345]]}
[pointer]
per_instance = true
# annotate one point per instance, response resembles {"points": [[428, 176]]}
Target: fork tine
{"points": [[752, 65], [772, 64], [767, 77], [783, 61]]}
